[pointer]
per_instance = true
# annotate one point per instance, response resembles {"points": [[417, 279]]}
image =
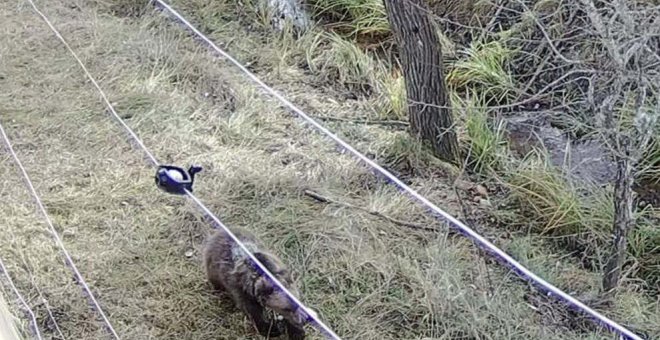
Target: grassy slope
{"points": [[368, 278]]}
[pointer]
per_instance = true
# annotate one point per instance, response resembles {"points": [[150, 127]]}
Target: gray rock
{"points": [[584, 161]]}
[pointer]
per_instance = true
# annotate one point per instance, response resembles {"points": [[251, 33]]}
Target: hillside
{"points": [[369, 277]]}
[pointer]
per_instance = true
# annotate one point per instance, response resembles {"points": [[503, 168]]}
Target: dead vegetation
{"points": [[368, 276], [531, 75]]}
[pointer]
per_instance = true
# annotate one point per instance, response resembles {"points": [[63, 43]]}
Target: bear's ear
{"points": [[268, 262], [263, 258]]}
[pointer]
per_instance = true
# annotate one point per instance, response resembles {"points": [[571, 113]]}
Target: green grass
{"points": [[487, 147], [556, 205], [649, 168], [355, 17], [391, 102], [483, 68], [368, 278], [644, 247], [339, 61], [343, 62], [480, 77]]}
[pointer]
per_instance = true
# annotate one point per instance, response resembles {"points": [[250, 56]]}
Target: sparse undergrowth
{"points": [[487, 72], [368, 278]]}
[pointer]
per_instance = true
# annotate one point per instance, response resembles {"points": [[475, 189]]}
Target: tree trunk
{"points": [[421, 59], [623, 218], [292, 10]]}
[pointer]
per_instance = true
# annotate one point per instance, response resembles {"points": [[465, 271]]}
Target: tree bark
{"points": [[292, 10], [623, 218], [421, 60]]}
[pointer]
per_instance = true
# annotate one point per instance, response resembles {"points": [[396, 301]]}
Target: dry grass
{"points": [[10, 323], [368, 278]]}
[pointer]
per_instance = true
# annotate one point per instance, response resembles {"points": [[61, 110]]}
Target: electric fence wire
{"points": [[67, 258], [310, 314], [28, 310], [480, 240], [44, 301]]}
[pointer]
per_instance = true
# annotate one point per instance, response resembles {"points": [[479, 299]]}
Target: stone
{"points": [[482, 191]]}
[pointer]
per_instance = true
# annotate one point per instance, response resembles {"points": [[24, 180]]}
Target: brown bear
{"points": [[231, 270]]}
